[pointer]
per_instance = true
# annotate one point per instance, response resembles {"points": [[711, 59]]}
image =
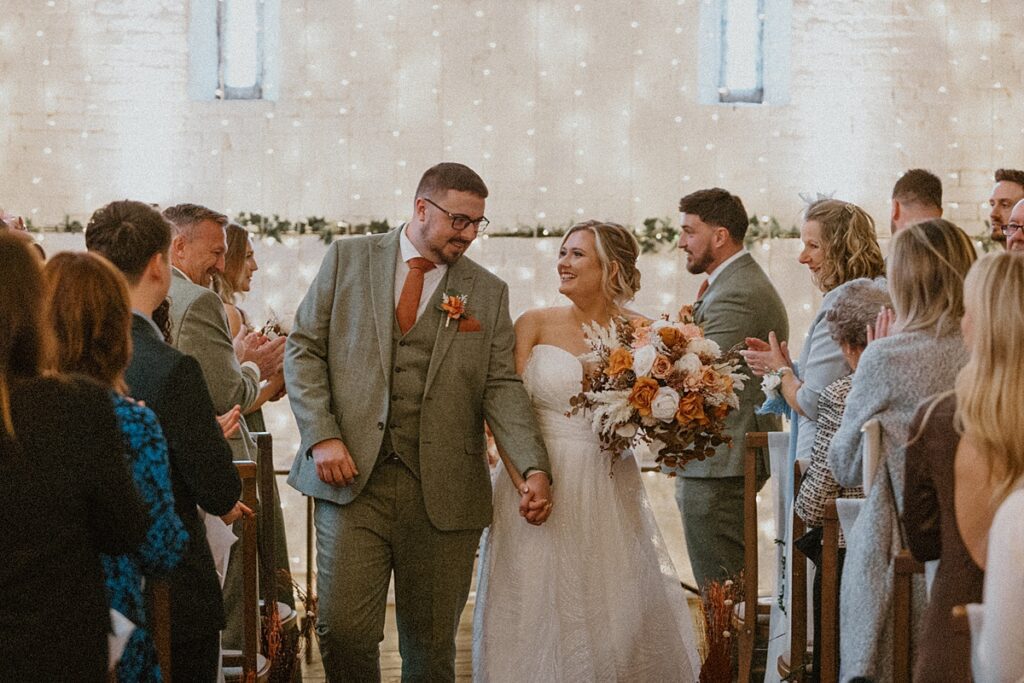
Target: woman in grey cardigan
{"points": [[839, 246], [926, 272]]}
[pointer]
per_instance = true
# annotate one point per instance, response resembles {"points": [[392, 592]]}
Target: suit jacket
{"points": [[338, 372], [199, 328], [202, 473], [740, 303], [66, 495]]}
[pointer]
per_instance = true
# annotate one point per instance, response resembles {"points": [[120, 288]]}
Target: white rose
{"points": [[665, 403], [643, 360], [770, 382], [688, 364], [704, 347], [627, 430]]}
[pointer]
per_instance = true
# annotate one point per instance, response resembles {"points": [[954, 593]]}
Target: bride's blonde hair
{"points": [[989, 390], [616, 244]]}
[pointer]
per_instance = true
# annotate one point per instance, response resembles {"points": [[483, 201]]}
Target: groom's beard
{"points": [[452, 250], [697, 265]]}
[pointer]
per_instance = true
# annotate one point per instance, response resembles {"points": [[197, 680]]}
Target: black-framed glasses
{"points": [[1010, 228], [460, 221]]}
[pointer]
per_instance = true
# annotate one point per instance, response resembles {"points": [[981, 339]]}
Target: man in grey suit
{"points": [[390, 393], [199, 325], [736, 301], [199, 328]]}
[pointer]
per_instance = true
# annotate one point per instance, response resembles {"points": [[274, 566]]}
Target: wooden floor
{"points": [[391, 661]]}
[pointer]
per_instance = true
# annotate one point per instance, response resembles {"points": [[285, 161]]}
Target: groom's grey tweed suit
{"points": [[740, 303], [410, 408]]}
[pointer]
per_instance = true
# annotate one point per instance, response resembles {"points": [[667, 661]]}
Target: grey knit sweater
{"points": [[893, 377]]}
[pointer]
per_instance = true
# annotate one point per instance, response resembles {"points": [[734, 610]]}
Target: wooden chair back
{"points": [[905, 568], [746, 626], [247, 471], [266, 521], [793, 665], [827, 639], [160, 622]]}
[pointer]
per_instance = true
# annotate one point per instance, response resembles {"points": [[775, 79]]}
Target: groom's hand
{"points": [[334, 464], [535, 504]]}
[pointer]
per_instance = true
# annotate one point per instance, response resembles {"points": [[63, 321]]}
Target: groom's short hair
{"points": [[451, 176], [718, 207]]}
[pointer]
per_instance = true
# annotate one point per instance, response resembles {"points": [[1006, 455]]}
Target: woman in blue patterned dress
{"points": [[90, 312]]}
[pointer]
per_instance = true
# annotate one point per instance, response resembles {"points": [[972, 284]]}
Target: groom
{"points": [[390, 393]]}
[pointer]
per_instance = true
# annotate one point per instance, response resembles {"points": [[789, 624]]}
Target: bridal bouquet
{"points": [[658, 382]]}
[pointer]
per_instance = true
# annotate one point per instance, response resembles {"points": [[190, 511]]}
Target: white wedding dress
{"points": [[592, 594]]}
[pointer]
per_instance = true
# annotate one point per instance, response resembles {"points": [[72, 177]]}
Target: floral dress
{"points": [[145, 452]]}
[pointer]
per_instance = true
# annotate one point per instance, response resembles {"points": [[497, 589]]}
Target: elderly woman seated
{"points": [[855, 308]]}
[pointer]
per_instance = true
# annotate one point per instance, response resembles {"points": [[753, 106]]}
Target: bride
{"points": [[592, 594]]}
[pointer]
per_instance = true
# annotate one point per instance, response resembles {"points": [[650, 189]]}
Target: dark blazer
{"points": [[172, 386], [65, 496]]}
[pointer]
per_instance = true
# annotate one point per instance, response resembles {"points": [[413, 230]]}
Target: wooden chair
{"points": [[248, 665], [827, 639], [744, 624], [266, 520], [160, 623], [905, 568], [794, 665]]}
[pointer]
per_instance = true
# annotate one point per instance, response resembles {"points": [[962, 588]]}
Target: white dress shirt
{"points": [[431, 279]]}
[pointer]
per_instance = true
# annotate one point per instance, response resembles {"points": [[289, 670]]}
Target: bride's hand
{"points": [[535, 504]]}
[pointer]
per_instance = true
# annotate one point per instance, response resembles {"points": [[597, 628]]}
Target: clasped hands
{"points": [[335, 466]]}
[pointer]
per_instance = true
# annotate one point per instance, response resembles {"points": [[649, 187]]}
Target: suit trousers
{"points": [[712, 512], [386, 529]]}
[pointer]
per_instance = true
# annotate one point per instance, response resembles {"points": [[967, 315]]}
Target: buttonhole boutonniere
{"points": [[454, 306]]}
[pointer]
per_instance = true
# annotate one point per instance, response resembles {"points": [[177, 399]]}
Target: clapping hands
{"points": [[885, 324]]}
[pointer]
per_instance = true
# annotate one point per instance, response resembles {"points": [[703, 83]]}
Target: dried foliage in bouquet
{"points": [[717, 601], [658, 382]]}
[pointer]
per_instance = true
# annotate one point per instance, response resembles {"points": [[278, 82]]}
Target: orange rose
{"points": [[670, 336], [691, 410], [691, 331], [662, 367], [643, 393], [721, 410], [619, 361], [709, 377]]}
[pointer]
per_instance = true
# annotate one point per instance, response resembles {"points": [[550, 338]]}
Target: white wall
{"points": [[563, 107]]}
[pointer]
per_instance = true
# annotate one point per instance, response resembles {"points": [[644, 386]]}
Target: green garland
{"points": [[652, 234]]}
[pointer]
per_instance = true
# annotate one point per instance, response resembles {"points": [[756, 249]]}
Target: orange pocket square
{"points": [[468, 324]]}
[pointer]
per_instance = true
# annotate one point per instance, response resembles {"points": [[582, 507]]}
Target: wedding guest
{"points": [[965, 456], [137, 239], [916, 196], [232, 367], [236, 280], [926, 270], [91, 317], [1012, 229], [1008, 190], [839, 245], [65, 494], [736, 301], [998, 647], [855, 307], [15, 226]]}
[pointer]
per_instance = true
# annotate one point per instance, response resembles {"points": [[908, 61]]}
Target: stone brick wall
{"points": [[567, 110]]}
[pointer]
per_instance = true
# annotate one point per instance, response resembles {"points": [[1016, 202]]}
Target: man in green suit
{"points": [[736, 301], [390, 392]]}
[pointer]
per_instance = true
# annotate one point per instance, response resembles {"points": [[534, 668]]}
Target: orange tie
{"points": [[409, 301], [703, 288]]}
